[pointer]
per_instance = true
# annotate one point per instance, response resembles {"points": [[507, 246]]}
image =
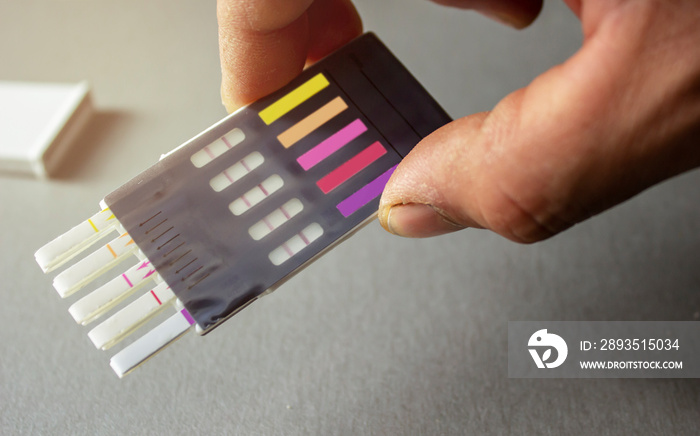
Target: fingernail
{"points": [[515, 21], [228, 104], [416, 220], [230, 107]]}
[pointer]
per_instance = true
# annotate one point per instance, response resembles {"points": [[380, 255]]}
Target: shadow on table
{"points": [[90, 144]]}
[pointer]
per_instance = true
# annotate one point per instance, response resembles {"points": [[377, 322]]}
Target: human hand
{"points": [[264, 44], [620, 115]]}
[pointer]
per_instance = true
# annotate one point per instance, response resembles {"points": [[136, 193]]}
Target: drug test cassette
{"points": [[234, 212]]}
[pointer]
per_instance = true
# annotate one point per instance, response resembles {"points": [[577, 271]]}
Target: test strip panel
{"points": [[248, 202]]}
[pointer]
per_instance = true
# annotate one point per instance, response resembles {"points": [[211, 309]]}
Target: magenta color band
{"points": [[365, 194], [187, 316], [351, 167], [335, 142], [127, 280]]}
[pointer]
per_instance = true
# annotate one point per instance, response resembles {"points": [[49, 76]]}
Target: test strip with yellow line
{"points": [[274, 186]]}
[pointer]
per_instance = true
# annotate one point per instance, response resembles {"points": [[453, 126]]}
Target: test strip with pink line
{"points": [[240, 208]]}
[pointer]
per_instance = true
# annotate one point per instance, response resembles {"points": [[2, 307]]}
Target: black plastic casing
{"points": [[217, 268]]}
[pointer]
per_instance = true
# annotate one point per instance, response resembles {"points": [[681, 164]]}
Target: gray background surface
{"points": [[381, 336]]}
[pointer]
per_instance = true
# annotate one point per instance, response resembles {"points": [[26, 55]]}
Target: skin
{"points": [[622, 114]]}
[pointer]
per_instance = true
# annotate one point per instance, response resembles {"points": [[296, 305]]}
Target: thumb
{"points": [[537, 163], [617, 117], [486, 171], [421, 197], [417, 200]]}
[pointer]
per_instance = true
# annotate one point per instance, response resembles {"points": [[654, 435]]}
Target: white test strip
{"points": [[96, 263], [68, 245], [111, 293], [256, 195], [278, 217], [297, 243], [152, 342], [217, 148], [236, 172], [121, 324]]}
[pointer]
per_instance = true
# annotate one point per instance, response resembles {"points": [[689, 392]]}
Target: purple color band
{"points": [[329, 146], [366, 194], [187, 316]]}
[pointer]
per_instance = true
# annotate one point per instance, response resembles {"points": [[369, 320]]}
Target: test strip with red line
{"points": [[132, 316], [239, 209], [111, 293]]}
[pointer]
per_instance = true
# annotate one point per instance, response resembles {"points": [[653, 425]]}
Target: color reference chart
{"points": [[331, 135], [334, 142]]}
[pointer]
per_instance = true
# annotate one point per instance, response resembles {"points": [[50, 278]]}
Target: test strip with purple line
{"points": [[150, 343]]}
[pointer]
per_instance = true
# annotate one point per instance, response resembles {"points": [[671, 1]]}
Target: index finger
{"points": [[264, 44]]}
